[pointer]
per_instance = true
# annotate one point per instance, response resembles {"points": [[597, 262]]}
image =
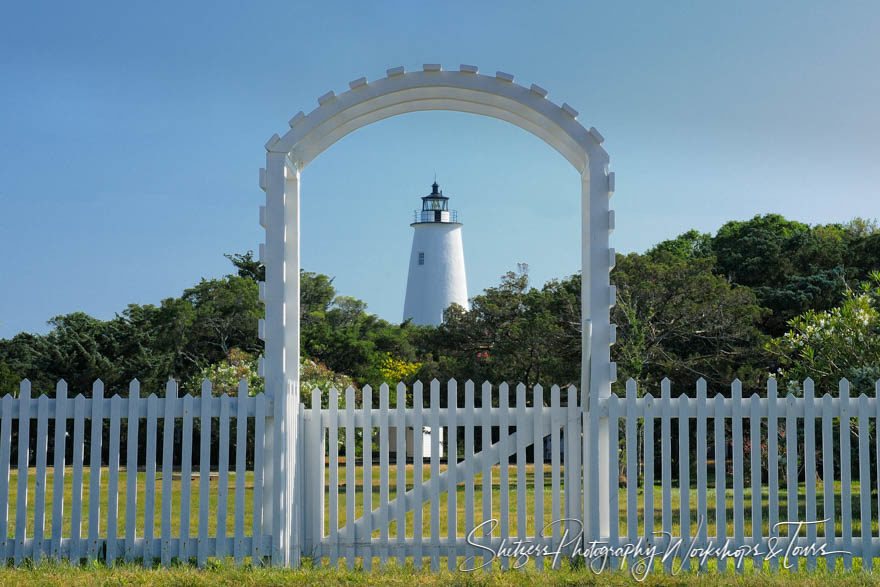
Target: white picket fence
{"points": [[158, 539], [356, 497]]}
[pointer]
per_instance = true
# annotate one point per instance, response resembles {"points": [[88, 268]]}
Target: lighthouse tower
{"points": [[436, 263]]}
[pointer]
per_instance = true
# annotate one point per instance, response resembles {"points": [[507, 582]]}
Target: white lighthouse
{"points": [[436, 263]]}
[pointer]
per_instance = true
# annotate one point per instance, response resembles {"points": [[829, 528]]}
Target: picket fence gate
{"points": [[365, 505]]}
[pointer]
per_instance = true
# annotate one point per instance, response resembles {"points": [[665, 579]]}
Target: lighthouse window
{"points": [[421, 258]]}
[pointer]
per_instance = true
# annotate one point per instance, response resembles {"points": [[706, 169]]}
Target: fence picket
{"points": [[504, 464], [418, 474], [738, 509], [5, 448], [383, 473], [702, 469], [95, 471], [451, 480], [186, 478], [333, 436], [684, 479], [58, 467], [113, 479], [845, 475], [77, 546], [648, 482], [755, 472], [632, 468], [772, 466], [720, 479], [222, 479], [486, 485], [167, 463], [400, 460], [435, 475], [791, 466], [241, 425], [204, 473], [41, 441], [613, 478], [666, 467], [828, 479], [150, 479], [521, 505], [865, 482], [469, 466], [367, 460], [24, 432], [810, 465], [350, 479], [555, 464], [259, 403], [538, 483], [131, 466]]}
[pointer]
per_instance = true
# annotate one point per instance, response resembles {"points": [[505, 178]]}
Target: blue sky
{"points": [[131, 135]]}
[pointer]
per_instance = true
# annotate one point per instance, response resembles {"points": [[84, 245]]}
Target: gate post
{"points": [[597, 298]]}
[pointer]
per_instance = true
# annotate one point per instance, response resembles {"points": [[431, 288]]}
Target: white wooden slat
{"points": [[702, 472], [350, 480], [418, 477], [845, 475], [367, 452], [59, 448], [167, 463], [24, 434], [486, 485], [435, 475], [613, 478], [223, 478], [113, 479], [539, 415], [383, 473], [452, 481], [810, 465], [131, 467], [720, 479], [648, 472], [333, 435], [150, 480], [241, 426], [555, 464], [77, 546], [865, 482], [5, 450], [573, 487], [504, 465], [828, 480], [755, 472], [632, 468], [666, 466], [773, 465], [521, 440], [258, 553], [684, 476], [204, 473], [738, 499], [41, 441], [400, 461], [469, 472], [791, 462], [590, 450], [186, 478], [95, 468]]}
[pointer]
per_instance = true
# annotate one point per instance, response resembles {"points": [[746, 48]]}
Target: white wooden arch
{"points": [[362, 104]]}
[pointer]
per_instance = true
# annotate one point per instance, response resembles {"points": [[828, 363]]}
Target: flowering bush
{"points": [[395, 370], [842, 342]]}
